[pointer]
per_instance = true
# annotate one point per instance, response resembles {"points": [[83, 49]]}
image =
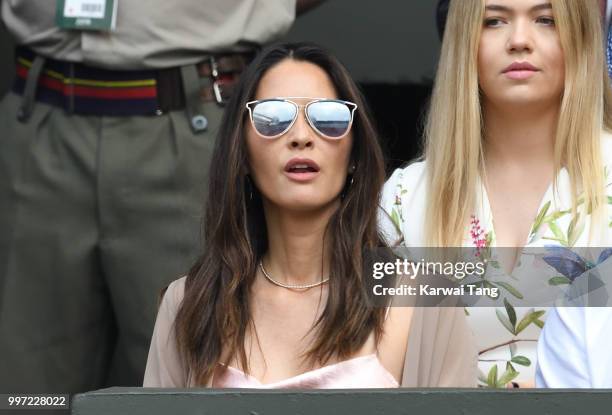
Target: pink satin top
{"points": [[440, 353], [360, 372]]}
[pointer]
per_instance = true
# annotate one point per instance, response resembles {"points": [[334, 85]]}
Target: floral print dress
{"points": [[506, 336]]}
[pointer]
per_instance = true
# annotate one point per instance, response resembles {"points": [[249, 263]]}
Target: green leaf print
{"points": [[556, 215], [492, 377], [574, 230], [504, 320], [559, 237], [395, 218], [508, 376], [530, 317], [540, 218], [489, 239], [510, 311], [572, 226], [510, 289], [512, 350], [521, 360], [559, 280]]}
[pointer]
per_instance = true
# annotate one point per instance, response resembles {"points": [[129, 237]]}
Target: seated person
{"points": [[277, 298]]}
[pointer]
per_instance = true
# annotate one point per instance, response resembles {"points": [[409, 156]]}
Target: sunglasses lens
{"points": [[330, 118], [272, 118]]}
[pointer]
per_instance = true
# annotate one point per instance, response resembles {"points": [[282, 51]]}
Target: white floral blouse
{"points": [[506, 336]]}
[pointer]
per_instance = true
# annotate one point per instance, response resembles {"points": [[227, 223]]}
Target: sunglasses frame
{"points": [[351, 105]]}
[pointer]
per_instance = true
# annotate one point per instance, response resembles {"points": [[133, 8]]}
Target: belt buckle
{"points": [[217, 91], [216, 85]]}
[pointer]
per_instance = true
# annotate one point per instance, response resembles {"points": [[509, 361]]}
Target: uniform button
{"points": [[199, 123], [21, 114]]}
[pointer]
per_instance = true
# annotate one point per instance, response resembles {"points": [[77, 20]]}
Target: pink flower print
{"points": [[478, 234]]}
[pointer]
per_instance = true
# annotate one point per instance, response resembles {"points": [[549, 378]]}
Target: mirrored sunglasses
{"points": [[331, 118]]}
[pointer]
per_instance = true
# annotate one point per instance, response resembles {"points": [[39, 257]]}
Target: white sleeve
{"points": [[563, 360]]}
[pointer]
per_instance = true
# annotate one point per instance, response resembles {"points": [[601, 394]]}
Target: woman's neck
{"points": [[520, 136], [297, 254]]}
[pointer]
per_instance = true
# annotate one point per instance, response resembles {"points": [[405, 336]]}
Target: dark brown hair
{"points": [[215, 315]]}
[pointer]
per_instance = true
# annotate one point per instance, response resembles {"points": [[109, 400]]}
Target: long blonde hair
{"points": [[454, 130]]}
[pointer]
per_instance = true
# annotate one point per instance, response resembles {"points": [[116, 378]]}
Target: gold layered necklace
{"points": [[290, 286]]}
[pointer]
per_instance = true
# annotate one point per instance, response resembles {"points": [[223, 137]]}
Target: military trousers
{"points": [[97, 215]]}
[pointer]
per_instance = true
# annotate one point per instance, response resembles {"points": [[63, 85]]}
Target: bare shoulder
{"points": [[397, 327], [393, 345]]}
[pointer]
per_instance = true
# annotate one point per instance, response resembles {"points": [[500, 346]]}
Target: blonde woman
{"points": [[518, 153]]}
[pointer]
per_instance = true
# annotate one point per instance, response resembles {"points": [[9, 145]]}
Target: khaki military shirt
{"points": [[151, 33]]}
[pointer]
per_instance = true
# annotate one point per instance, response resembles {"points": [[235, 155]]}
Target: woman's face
{"points": [[299, 170], [520, 60]]}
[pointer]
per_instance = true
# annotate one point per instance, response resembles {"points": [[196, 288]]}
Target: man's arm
{"points": [[302, 6]]}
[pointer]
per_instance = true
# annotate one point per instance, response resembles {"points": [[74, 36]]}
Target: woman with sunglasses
{"points": [[518, 155], [277, 298]]}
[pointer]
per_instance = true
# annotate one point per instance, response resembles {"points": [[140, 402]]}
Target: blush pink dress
{"points": [[360, 372], [440, 353]]}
